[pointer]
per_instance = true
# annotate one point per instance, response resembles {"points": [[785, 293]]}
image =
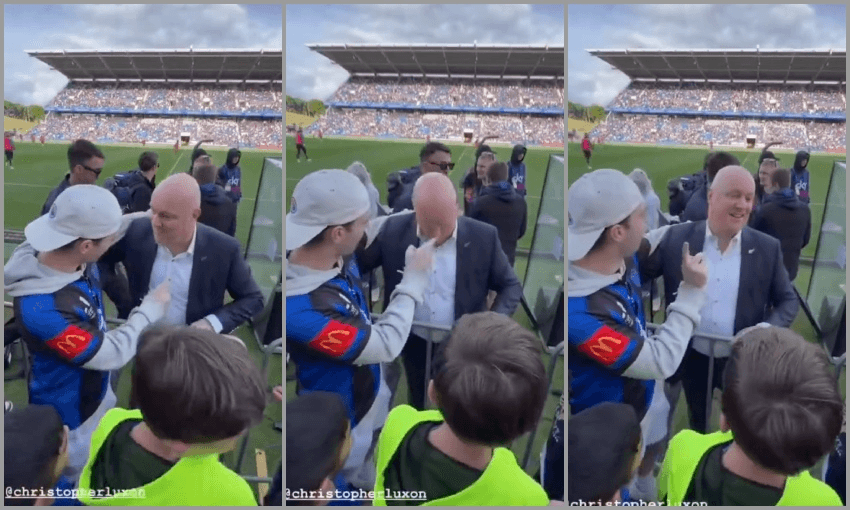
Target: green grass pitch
{"points": [[665, 163], [382, 157], [39, 168]]}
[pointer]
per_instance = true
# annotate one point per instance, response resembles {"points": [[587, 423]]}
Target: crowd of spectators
{"points": [[762, 98], [532, 130], [242, 98], [113, 129], [665, 129], [453, 92]]}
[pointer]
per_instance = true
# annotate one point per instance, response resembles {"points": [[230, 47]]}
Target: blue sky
{"points": [[312, 76], [592, 81], [126, 26]]}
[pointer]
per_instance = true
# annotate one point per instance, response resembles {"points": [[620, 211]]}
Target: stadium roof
{"points": [[185, 64], [446, 60], [731, 65]]}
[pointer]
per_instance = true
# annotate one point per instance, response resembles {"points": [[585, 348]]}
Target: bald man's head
{"points": [[176, 206], [435, 204], [730, 201]]}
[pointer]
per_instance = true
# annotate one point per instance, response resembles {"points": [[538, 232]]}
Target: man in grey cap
{"points": [[59, 311], [329, 331], [612, 356]]}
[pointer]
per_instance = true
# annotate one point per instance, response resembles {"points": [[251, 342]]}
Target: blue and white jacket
{"points": [[61, 318], [612, 356]]}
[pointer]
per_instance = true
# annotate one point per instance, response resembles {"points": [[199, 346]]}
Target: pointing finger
{"points": [[686, 251]]}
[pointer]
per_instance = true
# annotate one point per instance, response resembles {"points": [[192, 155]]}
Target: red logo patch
{"points": [[335, 339], [71, 342], [605, 346]]}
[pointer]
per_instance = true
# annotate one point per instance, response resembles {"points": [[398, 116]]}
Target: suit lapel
{"points": [[147, 253], [697, 241], [198, 263], [461, 290], [749, 268]]}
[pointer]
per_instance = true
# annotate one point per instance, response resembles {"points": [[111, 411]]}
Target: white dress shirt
{"points": [[179, 270], [438, 305], [724, 278]]}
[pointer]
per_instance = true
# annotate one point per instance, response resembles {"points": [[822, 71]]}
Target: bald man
{"points": [[748, 285], [201, 262], [468, 260]]}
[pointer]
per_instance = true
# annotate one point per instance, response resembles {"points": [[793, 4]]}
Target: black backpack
{"points": [[121, 185]]}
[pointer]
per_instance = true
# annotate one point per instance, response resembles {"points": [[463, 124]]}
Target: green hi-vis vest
{"points": [[502, 483], [686, 450], [199, 480]]}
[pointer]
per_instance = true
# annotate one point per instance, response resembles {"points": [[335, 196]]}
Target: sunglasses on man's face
{"points": [[95, 171], [443, 166]]}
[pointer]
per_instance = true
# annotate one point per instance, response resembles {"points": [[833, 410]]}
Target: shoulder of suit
{"points": [[217, 237], [472, 223], [758, 237]]}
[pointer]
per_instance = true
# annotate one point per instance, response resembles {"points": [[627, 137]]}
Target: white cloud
{"points": [[402, 24], [685, 26], [137, 26]]}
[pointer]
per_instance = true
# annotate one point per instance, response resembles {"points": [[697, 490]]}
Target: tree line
{"points": [[32, 113], [591, 113], [312, 107]]}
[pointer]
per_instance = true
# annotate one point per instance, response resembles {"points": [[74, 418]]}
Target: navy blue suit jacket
{"points": [[765, 293], [481, 263], [217, 266]]}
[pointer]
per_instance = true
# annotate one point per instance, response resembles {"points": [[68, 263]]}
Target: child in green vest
{"points": [[781, 413], [318, 441], [198, 392], [489, 387], [604, 453]]}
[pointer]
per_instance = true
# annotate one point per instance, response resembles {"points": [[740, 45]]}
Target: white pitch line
{"points": [[27, 185], [175, 164]]}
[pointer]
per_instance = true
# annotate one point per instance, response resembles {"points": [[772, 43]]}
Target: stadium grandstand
{"points": [[233, 97], [736, 98], [455, 93]]}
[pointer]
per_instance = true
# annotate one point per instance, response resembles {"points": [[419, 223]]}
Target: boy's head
{"points": [[35, 451], [604, 452], [196, 389], [318, 441], [780, 399], [490, 384]]}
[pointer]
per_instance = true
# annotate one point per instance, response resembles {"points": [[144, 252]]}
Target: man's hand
{"points": [[694, 270], [162, 293], [203, 324], [420, 259], [277, 391]]}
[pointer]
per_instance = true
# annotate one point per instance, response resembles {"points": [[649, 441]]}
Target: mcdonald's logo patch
{"points": [[335, 339], [71, 342], [605, 346]]}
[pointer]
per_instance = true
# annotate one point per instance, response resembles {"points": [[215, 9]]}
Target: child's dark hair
{"points": [[196, 386], [604, 441], [33, 439], [490, 380], [316, 429], [781, 400]]}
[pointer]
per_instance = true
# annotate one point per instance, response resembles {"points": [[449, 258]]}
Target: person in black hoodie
{"points": [[800, 176], [230, 175], [197, 152], [784, 216], [142, 182], [217, 209], [500, 205], [517, 168]]}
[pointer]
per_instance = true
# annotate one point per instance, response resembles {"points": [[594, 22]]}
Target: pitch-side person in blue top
{"points": [[329, 331]]}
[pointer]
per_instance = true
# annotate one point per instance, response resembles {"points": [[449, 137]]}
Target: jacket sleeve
{"points": [[782, 299], [247, 297], [81, 343], [502, 278], [663, 351]]}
